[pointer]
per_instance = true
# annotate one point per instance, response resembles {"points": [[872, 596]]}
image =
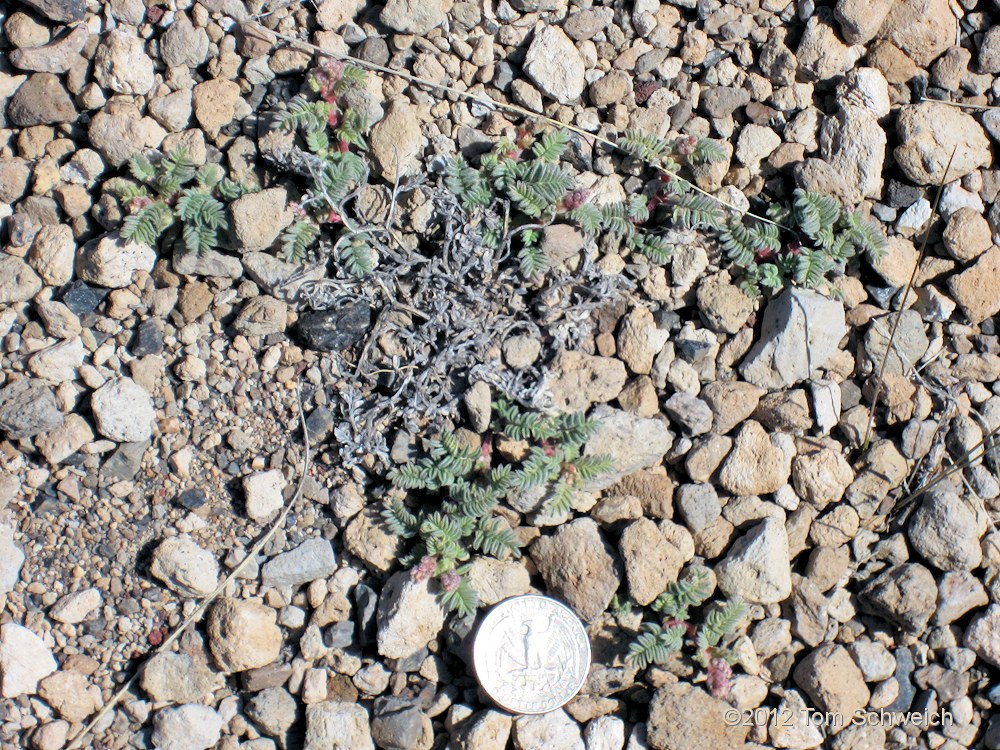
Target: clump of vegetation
{"points": [[657, 642], [804, 242], [472, 488], [520, 187], [171, 187], [333, 135]]}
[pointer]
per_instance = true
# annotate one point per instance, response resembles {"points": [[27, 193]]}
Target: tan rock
{"points": [[831, 679], [967, 235], [651, 562], [928, 134], [684, 716], [215, 104], [976, 290], [243, 635], [759, 463]]}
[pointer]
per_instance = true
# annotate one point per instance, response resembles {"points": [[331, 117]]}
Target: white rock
{"points": [[757, 568], [605, 733], [58, 363], [853, 143], [123, 411], [24, 660], [263, 494], [756, 142], [335, 725], [983, 635], [188, 727], [554, 730], [555, 65], [632, 443], [121, 64], [408, 616], [185, 567], [914, 217], [413, 16], [75, 607], [11, 560], [802, 329], [111, 261]]}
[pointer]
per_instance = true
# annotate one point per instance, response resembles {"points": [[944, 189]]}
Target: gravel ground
{"points": [[150, 418]]}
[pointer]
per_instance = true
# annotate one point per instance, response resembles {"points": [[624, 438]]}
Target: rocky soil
{"points": [[149, 416]]}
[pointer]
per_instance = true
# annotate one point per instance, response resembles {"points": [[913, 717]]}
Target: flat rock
{"points": [[908, 345], [905, 595], [112, 260], [631, 442], [983, 635], [52, 253], [179, 678], [757, 567], [185, 567], [188, 727], [923, 29], [853, 143], [495, 580], [62, 11], [243, 635], [76, 607], [400, 724], [555, 65], [409, 616], [946, 531], [759, 462], [831, 679], [577, 380], [684, 716], [123, 411], [975, 288], [41, 100], [333, 725], [396, 142], [929, 132], [27, 408], [70, 694], [256, 219], [335, 330], [262, 491], [57, 57], [414, 16], [18, 281], [311, 560], [578, 566], [11, 561], [802, 329], [554, 730], [24, 660], [639, 340], [262, 316]]}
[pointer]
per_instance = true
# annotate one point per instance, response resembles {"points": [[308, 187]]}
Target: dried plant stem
{"points": [[267, 35], [196, 615], [879, 382]]}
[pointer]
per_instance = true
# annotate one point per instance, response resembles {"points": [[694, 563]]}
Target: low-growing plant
{"points": [[657, 642], [171, 187], [329, 129], [802, 244], [473, 488], [520, 187]]}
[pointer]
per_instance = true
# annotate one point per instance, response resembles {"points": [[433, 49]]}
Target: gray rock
{"points": [[577, 380], [485, 730], [400, 724], [413, 16], [905, 595], [18, 282], [853, 143], [958, 592], [409, 615], [123, 411], [929, 132], [309, 561], [757, 567], [983, 635], [212, 263], [62, 11], [185, 567], [692, 414], [554, 730], [633, 443], [908, 346], [188, 727], [605, 733], [578, 566], [802, 329], [333, 725], [274, 711], [874, 660], [183, 44], [27, 408], [698, 505], [946, 531], [555, 65]]}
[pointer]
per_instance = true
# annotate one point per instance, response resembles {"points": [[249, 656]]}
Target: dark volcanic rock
{"points": [[335, 330], [65, 11], [41, 100]]}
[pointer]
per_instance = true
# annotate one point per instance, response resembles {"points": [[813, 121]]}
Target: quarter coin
{"points": [[531, 654]]}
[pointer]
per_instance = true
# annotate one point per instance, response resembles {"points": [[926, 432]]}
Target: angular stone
{"points": [[631, 442], [946, 531], [123, 411], [928, 134], [684, 716], [577, 380], [831, 679], [28, 407], [651, 562], [409, 615], [112, 260], [333, 725], [311, 560], [18, 282], [759, 462], [905, 595], [555, 65], [243, 635], [185, 567], [337, 329], [24, 660], [757, 566], [578, 567], [41, 100]]}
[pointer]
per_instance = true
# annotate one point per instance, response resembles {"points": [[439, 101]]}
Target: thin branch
{"points": [[203, 606], [879, 381]]}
